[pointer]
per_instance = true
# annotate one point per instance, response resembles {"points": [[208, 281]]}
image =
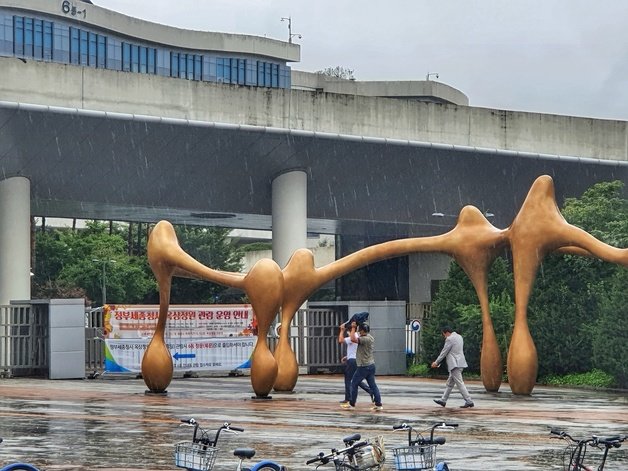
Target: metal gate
{"points": [[94, 341], [314, 339], [23, 340]]}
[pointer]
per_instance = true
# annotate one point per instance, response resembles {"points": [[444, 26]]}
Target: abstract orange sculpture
{"points": [[263, 285], [474, 243], [538, 229]]}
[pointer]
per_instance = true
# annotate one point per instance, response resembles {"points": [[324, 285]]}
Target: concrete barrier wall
{"points": [[97, 89]]}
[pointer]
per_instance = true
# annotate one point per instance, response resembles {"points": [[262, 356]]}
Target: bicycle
{"points": [[356, 456], [18, 466], [200, 453], [420, 453], [577, 449]]}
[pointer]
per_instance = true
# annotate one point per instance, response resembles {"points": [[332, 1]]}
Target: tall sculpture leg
{"points": [[491, 366], [264, 287], [166, 258], [288, 366], [538, 229], [157, 367], [522, 355], [300, 279]]}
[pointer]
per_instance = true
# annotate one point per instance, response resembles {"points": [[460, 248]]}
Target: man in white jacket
{"points": [[456, 362]]}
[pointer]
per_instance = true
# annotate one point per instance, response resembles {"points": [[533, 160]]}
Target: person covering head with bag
{"points": [[365, 365]]}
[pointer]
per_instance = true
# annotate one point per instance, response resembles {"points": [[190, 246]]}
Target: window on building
{"points": [[183, 62], [267, 74], [260, 73], [274, 75], [174, 64], [75, 45], [28, 37], [38, 39], [241, 71], [198, 67], [61, 44], [101, 54], [210, 69], [18, 35], [83, 52], [251, 72], [143, 52], [126, 57], [234, 70], [223, 70], [47, 41], [93, 50], [163, 62], [135, 58], [151, 60]]}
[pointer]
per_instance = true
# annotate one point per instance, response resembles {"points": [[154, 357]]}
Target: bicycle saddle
{"points": [[351, 439], [244, 453]]}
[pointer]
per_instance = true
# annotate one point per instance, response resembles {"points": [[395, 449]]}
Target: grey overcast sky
{"points": [[550, 56]]}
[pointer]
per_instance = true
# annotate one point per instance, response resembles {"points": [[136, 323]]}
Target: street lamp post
{"points": [[103, 285]]}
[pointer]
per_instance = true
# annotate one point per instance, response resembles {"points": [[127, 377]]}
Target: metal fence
{"points": [[23, 340], [314, 339], [94, 341], [313, 336]]}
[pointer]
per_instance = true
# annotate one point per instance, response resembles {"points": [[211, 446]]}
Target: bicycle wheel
{"points": [[267, 466], [19, 467]]}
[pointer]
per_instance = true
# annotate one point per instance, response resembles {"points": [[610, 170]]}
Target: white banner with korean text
{"points": [[207, 337]]}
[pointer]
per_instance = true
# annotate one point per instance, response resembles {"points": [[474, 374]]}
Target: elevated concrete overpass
{"points": [[368, 162]]}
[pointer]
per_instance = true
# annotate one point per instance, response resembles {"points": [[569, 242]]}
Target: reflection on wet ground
{"points": [[110, 423]]}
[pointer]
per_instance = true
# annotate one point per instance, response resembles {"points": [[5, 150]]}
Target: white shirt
{"points": [[352, 348]]}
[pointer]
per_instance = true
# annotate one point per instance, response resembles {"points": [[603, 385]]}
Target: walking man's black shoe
{"points": [[442, 403], [467, 405]]}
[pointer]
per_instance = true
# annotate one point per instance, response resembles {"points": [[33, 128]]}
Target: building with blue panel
{"points": [[104, 116], [64, 33]]}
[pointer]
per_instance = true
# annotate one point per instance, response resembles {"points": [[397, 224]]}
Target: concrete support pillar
{"points": [[289, 207], [15, 239]]}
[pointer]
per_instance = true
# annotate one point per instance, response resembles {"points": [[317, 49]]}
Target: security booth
{"points": [[43, 337]]}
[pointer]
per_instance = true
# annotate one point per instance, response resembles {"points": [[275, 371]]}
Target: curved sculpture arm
{"points": [[165, 254]]}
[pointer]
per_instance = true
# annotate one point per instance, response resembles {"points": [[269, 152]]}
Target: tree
{"points": [[337, 72], [577, 311], [212, 247], [576, 299], [609, 346], [456, 305], [65, 265]]}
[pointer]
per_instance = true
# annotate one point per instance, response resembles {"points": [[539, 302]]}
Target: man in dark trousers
{"points": [[365, 365], [453, 350], [350, 364]]}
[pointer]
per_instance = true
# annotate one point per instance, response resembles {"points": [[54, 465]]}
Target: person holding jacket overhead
{"points": [[350, 364], [453, 350], [365, 365]]}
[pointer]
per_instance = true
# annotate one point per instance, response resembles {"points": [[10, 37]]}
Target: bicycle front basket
{"points": [[194, 456], [372, 455], [414, 458]]}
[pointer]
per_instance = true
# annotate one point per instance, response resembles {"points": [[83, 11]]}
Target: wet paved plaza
{"points": [[110, 423]]}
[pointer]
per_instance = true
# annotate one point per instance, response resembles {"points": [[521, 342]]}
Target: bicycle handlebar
{"points": [[613, 441], [324, 459], [405, 426]]}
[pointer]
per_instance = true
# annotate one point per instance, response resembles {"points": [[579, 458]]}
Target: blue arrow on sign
{"points": [[178, 355]]}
